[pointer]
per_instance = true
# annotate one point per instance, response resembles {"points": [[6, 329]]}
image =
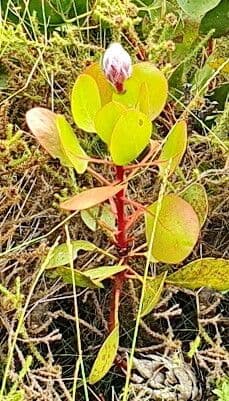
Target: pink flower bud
{"points": [[117, 66]]}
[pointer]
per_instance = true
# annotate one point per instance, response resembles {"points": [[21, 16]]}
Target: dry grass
{"points": [[31, 185]]}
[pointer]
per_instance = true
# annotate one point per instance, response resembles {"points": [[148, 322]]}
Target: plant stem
{"points": [[121, 236], [121, 241], [115, 299]]}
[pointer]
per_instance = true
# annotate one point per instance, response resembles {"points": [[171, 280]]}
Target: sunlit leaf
{"points": [[103, 272], [42, 123], [98, 215], [105, 88], [143, 103], [207, 272], [195, 194], [105, 357], [85, 102], [177, 229], [80, 279], [130, 136], [60, 254], [145, 73], [174, 147], [194, 345], [196, 8], [90, 197], [153, 290], [70, 145], [106, 118]]}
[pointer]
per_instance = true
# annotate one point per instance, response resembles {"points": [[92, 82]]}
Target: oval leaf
{"points": [[106, 118], [71, 146], [130, 136], [85, 102], [105, 88], [105, 357], [218, 19], [42, 123], [60, 254], [196, 195], [145, 73], [177, 229], [96, 216], [208, 272], [143, 104], [174, 147], [80, 279], [196, 8], [153, 290], [104, 272], [91, 197]]}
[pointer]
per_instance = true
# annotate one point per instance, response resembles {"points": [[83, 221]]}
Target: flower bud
{"points": [[117, 66]]}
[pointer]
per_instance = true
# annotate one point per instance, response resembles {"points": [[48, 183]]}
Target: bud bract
{"points": [[117, 66]]}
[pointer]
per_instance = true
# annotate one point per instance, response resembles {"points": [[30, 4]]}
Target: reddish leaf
{"points": [[91, 197], [176, 232], [42, 123]]}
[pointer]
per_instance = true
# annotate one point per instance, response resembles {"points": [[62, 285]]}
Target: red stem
{"points": [[121, 238], [121, 241]]}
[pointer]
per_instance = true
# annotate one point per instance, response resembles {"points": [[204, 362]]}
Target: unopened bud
{"points": [[117, 66]]}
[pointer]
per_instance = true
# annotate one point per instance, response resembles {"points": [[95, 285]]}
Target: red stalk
{"points": [[121, 241], [121, 217]]}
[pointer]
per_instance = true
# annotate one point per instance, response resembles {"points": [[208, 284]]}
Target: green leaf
{"points": [[89, 278], [177, 229], [220, 94], [15, 395], [85, 102], [49, 13], [153, 290], [81, 279], [71, 146], [200, 79], [145, 73], [98, 215], [60, 254], [176, 80], [186, 36], [195, 194], [217, 19], [194, 345], [4, 77], [105, 357], [130, 136], [42, 123], [105, 88], [106, 118], [143, 103], [196, 8], [208, 272], [90, 217], [103, 272], [174, 148]]}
